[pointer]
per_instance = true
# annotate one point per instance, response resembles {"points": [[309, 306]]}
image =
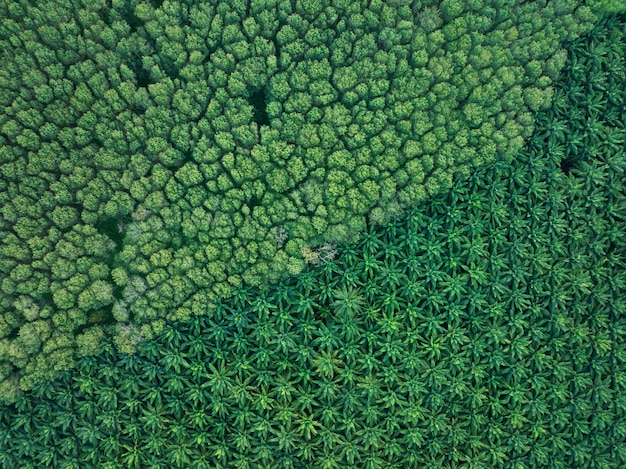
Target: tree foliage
{"points": [[484, 328], [132, 129]]}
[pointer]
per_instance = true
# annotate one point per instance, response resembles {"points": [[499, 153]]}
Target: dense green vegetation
{"points": [[155, 155], [486, 328]]}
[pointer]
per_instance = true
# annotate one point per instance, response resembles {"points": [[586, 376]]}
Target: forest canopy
{"points": [[156, 155]]}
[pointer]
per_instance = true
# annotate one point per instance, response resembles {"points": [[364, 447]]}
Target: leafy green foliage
{"points": [[485, 328], [132, 136]]}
